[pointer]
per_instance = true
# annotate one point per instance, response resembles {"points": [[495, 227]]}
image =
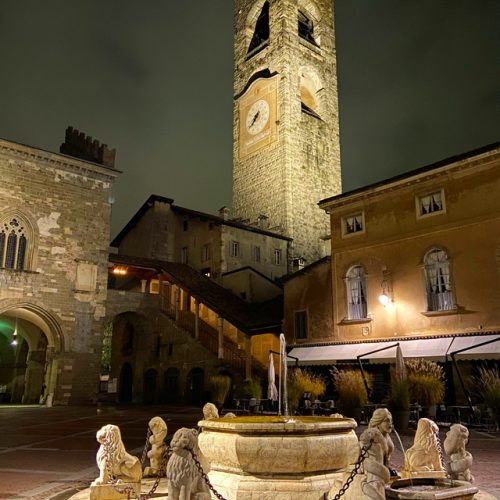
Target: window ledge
{"points": [[446, 312], [347, 321], [310, 45]]}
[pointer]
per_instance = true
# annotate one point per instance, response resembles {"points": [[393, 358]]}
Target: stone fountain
{"points": [[299, 458]]}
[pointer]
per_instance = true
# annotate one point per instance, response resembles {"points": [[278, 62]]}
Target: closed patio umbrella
{"points": [[272, 391]]}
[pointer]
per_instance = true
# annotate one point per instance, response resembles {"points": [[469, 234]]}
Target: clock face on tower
{"points": [[257, 116]]}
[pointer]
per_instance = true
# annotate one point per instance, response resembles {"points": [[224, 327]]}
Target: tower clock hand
{"points": [[254, 118]]}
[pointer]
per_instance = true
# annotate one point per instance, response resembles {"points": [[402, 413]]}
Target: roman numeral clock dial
{"points": [[257, 116]]}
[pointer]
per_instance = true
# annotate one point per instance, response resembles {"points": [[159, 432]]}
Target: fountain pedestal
{"points": [[298, 458]]}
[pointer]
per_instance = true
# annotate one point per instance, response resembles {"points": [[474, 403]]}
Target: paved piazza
{"points": [[49, 453]]}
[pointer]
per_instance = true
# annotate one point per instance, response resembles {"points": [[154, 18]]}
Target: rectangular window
{"points": [[430, 204], [277, 256], [300, 325], [235, 249], [184, 255], [353, 224], [205, 253], [256, 253]]}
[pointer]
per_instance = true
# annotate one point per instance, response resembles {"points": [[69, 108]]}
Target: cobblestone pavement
{"points": [[45, 452]]}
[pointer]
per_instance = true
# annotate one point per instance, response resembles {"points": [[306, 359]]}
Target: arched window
{"points": [[14, 235], [310, 90], [260, 36], [307, 22], [437, 281], [356, 293]]}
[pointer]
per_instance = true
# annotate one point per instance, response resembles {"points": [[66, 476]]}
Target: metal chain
{"points": [[357, 466], [108, 449], [161, 473], [146, 447], [205, 477]]}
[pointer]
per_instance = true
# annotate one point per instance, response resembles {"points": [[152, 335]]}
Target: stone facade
{"points": [[53, 296], [285, 179], [161, 230], [396, 240]]}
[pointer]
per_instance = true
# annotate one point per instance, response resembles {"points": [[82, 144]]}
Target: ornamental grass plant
{"points": [[351, 388], [220, 385], [426, 382], [302, 381], [488, 384]]}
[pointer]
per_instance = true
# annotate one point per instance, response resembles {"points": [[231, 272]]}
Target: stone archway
{"points": [[30, 339]]}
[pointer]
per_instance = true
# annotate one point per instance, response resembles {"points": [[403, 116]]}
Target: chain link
{"points": [[161, 474], [146, 447], [205, 477], [108, 451], [357, 466]]}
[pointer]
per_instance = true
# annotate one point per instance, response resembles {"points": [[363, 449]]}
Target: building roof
{"points": [[249, 318], [305, 269], [408, 175], [192, 213]]}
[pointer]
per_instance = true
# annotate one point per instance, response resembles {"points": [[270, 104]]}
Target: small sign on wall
{"points": [[86, 277]]}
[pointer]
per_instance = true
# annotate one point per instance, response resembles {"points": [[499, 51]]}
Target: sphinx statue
{"points": [[382, 420], [460, 459], [377, 475], [210, 411]]}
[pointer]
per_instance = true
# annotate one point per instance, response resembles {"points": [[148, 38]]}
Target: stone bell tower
{"points": [[286, 129]]}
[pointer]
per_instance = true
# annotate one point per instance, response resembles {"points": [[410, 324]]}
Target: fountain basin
{"points": [[278, 457], [427, 488]]}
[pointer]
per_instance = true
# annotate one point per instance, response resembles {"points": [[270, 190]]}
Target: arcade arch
{"points": [[30, 339]]}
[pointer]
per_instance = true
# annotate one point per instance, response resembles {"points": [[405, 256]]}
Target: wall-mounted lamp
{"points": [[13, 342], [120, 270], [385, 297]]}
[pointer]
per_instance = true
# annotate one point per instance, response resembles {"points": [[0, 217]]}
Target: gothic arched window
{"points": [[437, 281], [356, 293], [14, 236]]}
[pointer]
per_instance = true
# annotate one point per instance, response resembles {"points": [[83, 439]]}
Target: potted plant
{"points": [[352, 392], [426, 383], [220, 385], [488, 383]]}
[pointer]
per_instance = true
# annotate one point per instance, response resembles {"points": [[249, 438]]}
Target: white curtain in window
{"points": [[356, 293], [437, 273]]}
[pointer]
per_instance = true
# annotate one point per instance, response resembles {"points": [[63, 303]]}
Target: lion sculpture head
{"points": [[456, 439], [210, 411]]}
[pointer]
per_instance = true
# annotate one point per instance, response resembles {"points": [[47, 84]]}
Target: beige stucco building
{"points": [[415, 259], [54, 236]]}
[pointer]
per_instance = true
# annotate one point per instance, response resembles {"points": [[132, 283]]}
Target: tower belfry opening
{"points": [[306, 28], [261, 33]]}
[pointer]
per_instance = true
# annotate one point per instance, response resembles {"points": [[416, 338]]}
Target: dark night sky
{"points": [[419, 80]]}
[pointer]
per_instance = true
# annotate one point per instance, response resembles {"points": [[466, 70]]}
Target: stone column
{"points": [[221, 337], [196, 319], [177, 302], [143, 285], [248, 356]]}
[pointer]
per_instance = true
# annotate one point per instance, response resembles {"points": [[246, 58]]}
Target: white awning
{"points": [[488, 351], [435, 349]]}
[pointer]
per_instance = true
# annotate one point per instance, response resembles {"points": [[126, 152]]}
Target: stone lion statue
{"points": [[424, 455], [229, 414], [113, 460], [184, 479], [377, 475], [210, 411], [159, 431], [460, 459]]}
